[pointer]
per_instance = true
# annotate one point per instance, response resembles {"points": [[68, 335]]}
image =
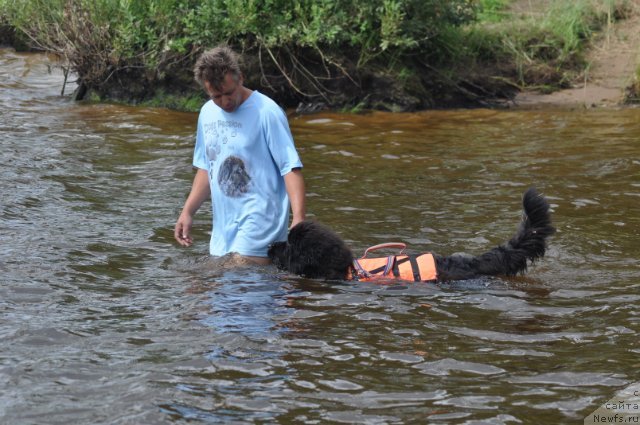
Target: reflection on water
{"points": [[105, 320]]}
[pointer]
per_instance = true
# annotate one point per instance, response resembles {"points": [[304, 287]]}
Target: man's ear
{"points": [[208, 88]]}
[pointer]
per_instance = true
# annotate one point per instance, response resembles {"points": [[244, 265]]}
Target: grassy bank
{"points": [[545, 41], [353, 54]]}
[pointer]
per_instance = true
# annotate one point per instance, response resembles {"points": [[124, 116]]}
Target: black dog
{"points": [[315, 251]]}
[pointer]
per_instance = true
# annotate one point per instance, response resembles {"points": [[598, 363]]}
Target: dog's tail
{"points": [[511, 258], [528, 244]]}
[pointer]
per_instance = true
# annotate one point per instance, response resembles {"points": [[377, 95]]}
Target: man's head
{"points": [[218, 71]]}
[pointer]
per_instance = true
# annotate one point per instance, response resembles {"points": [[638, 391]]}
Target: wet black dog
{"points": [[315, 251]]}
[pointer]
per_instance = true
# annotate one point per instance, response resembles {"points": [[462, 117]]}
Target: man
{"points": [[246, 161]]}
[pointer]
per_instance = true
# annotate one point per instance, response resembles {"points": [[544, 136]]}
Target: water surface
{"points": [[104, 319]]}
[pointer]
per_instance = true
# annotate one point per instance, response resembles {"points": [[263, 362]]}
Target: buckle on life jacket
{"points": [[362, 274], [417, 268]]}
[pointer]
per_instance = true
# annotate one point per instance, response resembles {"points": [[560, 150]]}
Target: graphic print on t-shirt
{"points": [[233, 178], [211, 137]]}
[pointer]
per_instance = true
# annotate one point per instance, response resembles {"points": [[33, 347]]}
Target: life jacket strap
{"points": [[390, 260], [361, 273], [415, 268], [416, 263]]}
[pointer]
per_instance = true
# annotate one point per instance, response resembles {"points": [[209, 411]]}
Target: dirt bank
{"points": [[613, 59]]}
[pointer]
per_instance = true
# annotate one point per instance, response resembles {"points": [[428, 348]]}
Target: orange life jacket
{"points": [[416, 268]]}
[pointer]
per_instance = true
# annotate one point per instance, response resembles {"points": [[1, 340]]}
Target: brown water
{"points": [[104, 320]]}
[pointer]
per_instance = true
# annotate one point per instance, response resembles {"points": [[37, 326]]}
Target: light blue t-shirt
{"points": [[246, 153]]}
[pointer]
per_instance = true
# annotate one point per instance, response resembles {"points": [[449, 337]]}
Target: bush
{"points": [[358, 53], [311, 46]]}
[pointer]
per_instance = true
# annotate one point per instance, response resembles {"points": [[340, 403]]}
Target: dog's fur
{"points": [[315, 251]]}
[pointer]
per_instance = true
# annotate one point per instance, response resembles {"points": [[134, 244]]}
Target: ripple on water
{"points": [[447, 366], [533, 338]]}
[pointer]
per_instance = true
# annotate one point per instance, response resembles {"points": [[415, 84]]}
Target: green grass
{"points": [[492, 10], [546, 47], [187, 103]]}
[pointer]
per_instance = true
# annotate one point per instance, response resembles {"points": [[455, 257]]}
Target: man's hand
{"points": [[182, 230], [199, 192]]}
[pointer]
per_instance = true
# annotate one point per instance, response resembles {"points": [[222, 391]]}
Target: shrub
{"points": [[309, 44]]}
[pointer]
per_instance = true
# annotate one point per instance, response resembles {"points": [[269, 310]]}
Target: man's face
{"points": [[230, 95]]}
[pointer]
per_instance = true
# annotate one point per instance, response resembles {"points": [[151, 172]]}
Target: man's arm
{"points": [[295, 189], [199, 193]]}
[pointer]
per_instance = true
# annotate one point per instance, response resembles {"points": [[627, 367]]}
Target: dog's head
{"points": [[278, 253], [312, 250]]}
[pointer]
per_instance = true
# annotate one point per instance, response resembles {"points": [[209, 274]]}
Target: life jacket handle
{"points": [[400, 245]]}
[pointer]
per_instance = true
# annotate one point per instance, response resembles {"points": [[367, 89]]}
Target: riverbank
{"points": [[520, 53], [611, 77]]}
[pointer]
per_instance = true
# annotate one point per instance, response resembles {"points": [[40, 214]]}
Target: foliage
{"points": [[492, 10], [102, 40], [337, 51], [127, 39]]}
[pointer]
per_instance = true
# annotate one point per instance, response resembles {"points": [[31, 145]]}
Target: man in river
{"points": [[246, 161]]}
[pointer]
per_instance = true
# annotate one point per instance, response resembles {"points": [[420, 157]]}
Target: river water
{"points": [[105, 320]]}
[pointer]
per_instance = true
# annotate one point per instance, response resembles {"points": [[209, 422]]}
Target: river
{"points": [[105, 320]]}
